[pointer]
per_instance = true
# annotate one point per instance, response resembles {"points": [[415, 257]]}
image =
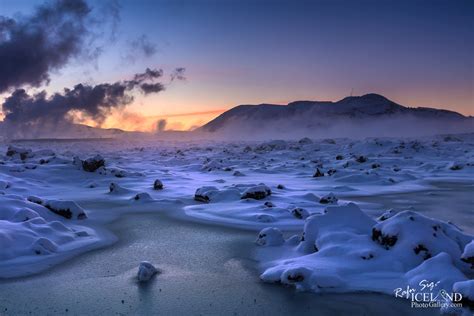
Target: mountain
{"points": [[58, 131], [367, 115]]}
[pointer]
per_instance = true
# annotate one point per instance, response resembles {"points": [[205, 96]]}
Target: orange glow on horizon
{"points": [[132, 121]]}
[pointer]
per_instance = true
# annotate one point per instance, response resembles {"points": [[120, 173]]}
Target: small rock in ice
{"points": [[146, 271], [157, 185], [142, 197], [318, 173], [361, 159], [456, 166], [328, 199], [116, 188], [300, 213]]}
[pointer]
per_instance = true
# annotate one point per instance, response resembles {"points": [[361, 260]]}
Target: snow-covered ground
{"points": [[366, 207]]}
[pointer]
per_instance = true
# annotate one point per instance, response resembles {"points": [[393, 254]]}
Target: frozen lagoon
{"points": [[205, 250]]}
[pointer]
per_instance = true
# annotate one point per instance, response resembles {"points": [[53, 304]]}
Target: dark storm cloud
{"points": [[148, 88], [93, 102], [32, 46], [149, 74]]}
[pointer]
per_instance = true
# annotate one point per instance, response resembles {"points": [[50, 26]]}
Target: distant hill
{"points": [[367, 115], [60, 131]]}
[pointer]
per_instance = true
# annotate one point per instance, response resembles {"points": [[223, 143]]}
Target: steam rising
{"points": [[83, 102]]}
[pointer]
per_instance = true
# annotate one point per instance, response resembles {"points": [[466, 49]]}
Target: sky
{"points": [[416, 53]]}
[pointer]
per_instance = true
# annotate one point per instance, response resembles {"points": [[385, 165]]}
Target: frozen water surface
{"points": [[205, 270]]}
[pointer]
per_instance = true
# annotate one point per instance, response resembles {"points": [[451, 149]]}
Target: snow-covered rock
{"points": [[257, 192], [328, 199], [318, 173], [93, 163], [270, 236], [66, 209], [468, 254], [300, 213], [344, 250], [22, 153], [115, 188], [207, 194], [143, 197], [416, 237]]}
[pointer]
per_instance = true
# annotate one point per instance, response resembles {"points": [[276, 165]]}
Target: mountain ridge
{"points": [[353, 107]]}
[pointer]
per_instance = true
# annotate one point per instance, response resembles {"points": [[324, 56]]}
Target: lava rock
{"points": [[257, 192], [331, 172], [22, 152], [269, 204], [318, 173], [203, 194], [94, 163], [328, 199], [146, 271], [361, 159], [385, 240], [157, 185]]}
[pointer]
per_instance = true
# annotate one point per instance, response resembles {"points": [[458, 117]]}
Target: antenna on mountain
{"points": [[352, 91]]}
